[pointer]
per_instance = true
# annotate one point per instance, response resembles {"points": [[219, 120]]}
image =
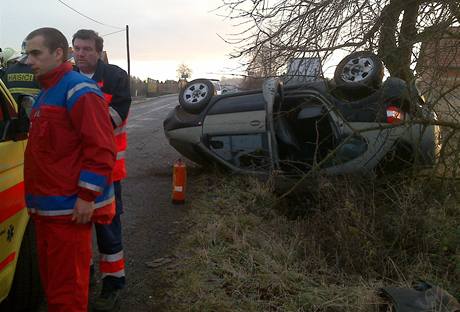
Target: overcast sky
{"points": [[162, 34]]}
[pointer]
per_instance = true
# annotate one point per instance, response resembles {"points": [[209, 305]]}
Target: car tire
{"points": [[26, 293], [359, 69], [196, 95]]}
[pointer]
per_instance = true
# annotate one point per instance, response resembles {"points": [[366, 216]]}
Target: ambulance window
{"points": [[4, 110], [1, 114]]}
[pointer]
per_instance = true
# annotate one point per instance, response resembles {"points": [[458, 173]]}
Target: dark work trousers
{"points": [[110, 246]]}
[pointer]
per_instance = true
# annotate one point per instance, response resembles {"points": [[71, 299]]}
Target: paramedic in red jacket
{"points": [[114, 82], [69, 160]]}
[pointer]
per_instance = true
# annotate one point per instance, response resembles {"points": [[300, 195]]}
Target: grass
{"points": [[246, 251]]}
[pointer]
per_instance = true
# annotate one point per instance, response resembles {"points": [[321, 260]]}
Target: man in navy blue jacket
{"points": [[114, 83]]}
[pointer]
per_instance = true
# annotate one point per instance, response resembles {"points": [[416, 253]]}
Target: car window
{"points": [[6, 110], [1, 114], [248, 151], [3, 109]]}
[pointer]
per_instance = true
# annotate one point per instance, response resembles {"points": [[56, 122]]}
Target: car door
{"points": [[13, 214], [235, 132], [306, 132]]}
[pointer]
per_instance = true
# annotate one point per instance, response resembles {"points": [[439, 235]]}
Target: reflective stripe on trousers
{"points": [[112, 265]]}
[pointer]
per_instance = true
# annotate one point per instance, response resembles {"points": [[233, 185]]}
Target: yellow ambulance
{"points": [[19, 278]]}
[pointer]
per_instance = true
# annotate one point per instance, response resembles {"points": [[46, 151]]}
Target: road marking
{"points": [[147, 119], [151, 111]]}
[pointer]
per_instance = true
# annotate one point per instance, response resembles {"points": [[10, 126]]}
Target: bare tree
{"points": [[262, 65], [417, 40], [292, 28], [183, 71]]}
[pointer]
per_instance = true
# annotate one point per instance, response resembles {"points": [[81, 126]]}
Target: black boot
{"points": [[111, 288], [107, 300]]}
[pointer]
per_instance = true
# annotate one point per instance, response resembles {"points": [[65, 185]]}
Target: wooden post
{"points": [[127, 51]]}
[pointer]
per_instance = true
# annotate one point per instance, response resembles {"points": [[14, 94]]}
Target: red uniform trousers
{"points": [[64, 253]]}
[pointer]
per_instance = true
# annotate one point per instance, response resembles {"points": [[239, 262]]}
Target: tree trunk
{"points": [[396, 54]]}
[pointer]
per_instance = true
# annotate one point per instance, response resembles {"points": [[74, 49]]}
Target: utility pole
{"points": [[127, 51]]}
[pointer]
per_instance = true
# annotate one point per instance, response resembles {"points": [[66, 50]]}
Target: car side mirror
{"points": [[19, 127], [25, 104], [16, 129]]}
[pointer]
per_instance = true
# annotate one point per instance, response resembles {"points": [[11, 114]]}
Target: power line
{"points": [[92, 19], [115, 32]]}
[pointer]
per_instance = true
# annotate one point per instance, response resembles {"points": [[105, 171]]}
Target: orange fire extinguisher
{"points": [[179, 181]]}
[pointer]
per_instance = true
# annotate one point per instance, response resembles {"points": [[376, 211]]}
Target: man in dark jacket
{"points": [[114, 83], [67, 170], [20, 79]]}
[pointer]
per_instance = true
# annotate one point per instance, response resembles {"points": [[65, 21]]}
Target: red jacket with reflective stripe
{"points": [[71, 150], [114, 83]]}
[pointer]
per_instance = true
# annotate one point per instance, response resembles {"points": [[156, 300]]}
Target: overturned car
{"points": [[351, 124]]}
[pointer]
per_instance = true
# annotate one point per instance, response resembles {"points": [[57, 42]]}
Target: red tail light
{"points": [[394, 115]]}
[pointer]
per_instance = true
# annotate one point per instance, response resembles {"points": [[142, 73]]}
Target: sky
{"points": [[162, 34]]}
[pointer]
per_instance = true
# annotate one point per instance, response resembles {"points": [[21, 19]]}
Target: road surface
{"points": [[150, 222]]}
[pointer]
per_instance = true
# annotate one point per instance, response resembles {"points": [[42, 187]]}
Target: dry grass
{"points": [[352, 237]]}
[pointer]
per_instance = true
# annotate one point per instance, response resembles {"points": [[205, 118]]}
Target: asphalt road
{"points": [[151, 224]]}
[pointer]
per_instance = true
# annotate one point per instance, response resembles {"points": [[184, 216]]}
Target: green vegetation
{"points": [[247, 251]]}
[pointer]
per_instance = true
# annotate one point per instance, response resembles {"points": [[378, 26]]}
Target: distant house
{"points": [[152, 86], [169, 86], [438, 71], [155, 87], [300, 70]]}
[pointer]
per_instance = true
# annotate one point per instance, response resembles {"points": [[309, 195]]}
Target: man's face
{"points": [[85, 54], [40, 58]]}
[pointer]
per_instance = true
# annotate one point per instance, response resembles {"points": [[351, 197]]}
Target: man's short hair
{"points": [[89, 34], [53, 39]]}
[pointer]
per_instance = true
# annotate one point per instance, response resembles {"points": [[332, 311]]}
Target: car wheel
{"points": [[359, 69], [196, 95], [26, 292]]}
